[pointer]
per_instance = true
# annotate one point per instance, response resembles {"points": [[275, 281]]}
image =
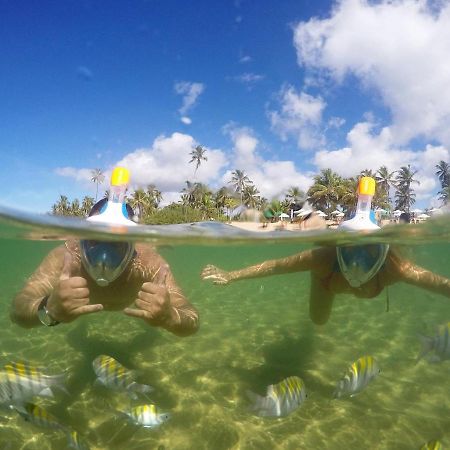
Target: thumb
{"points": [[67, 266], [161, 275]]}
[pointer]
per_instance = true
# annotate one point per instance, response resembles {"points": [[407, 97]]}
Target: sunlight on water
{"points": [[252, 334]]}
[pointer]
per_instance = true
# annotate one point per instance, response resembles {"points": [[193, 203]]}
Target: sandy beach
{"points": [[267, 227]]}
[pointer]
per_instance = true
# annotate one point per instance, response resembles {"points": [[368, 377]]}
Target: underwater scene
{"points": [[258, 374]]}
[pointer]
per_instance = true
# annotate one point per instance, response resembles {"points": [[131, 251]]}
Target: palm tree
{"points": [[443, 173], [367, 173], [154, 196], [240, 180], [326, 191], [385, 181], [444, 194], [97, 178], [75, 209], [139, 201], [61, 207], [250, 196], [86, 205], [198, 155], [405, 196]]}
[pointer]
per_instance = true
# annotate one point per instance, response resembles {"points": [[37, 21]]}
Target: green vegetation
{"points": [[198, 202]]}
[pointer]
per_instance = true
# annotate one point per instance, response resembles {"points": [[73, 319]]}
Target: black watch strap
{"points": [[44, 317]]}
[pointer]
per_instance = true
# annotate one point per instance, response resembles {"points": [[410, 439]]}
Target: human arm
{"points": [[160, 301], [67, 296], [306, 260], [404, 270]]}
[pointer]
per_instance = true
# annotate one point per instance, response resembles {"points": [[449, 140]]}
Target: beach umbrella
{"points": [[423, 216], [305, 212], [321, 213], [335, 212], [381, 210], [397, 212], [284, 216]]}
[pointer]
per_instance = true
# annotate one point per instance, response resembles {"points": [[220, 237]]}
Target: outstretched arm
{"points": [[418, 276], [306, 260]]}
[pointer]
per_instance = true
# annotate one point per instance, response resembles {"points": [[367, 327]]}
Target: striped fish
{"points": [[38, 416], [75, 441], [439, 344], [358, 376], [20, 382], [281, 399], [432, 445], [113, 375], [147, 416]]}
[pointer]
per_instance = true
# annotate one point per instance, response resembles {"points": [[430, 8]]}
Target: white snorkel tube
{"points": [[360, 263], [105, 261]]}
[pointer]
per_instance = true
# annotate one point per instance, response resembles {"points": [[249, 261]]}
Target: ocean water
{"points": [[253, 333]]}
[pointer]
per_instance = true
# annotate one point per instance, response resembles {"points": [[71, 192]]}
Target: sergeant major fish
{"points": [[20, 382], [439, 344], [147, 416], [358, 376], [39, 416], [113, 375], [281, 399]]}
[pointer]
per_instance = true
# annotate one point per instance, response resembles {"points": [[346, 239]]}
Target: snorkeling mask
{"points": [[360, 263], [105, 261]]}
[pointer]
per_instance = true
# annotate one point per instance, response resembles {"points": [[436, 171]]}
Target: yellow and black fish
{"points": [[147, 416], [432, 445], [358, 376], [281, 399], [38, 416], [113, 375], [20, 382]]}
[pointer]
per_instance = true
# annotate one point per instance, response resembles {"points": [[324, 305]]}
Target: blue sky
{"points": [[280, 90]]}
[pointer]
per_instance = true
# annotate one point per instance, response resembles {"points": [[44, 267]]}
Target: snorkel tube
{"points": [[360, 263], [105, 261], [361, 220]]}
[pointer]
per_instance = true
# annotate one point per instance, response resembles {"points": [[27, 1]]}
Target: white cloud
{"points": [[300, 116], [186, 120], [398, 48], [369, 149], [190, 92], [248, 78], [272, 178], [83, 175], [245, 59]]}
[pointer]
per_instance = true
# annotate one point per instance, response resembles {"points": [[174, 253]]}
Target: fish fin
{"points": [[47, 392], [262, 406], [427, 346], [99, 382]]}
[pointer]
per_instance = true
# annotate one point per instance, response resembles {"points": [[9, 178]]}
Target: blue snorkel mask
{"points": [[360, 263], [105, 261]]}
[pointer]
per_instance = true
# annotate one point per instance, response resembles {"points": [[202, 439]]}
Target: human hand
{"points": [[153, 302], [70, 298], [218, 276]]}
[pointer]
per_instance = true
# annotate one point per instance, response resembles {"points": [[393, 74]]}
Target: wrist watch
{"points": [[43, 314]]}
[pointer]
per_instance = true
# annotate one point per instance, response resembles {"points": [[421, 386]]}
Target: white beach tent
{"points": [[284, 216], [423, 216]]}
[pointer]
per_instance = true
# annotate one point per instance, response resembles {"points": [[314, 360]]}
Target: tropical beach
{"points": [[224, 225]]}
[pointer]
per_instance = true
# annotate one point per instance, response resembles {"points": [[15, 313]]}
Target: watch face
{"points": [[44, 316]]}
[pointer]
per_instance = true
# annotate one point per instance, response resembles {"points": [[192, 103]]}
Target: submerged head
{"points": [[105, 261]]}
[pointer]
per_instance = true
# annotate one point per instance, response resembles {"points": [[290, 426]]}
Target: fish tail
{"points": [[262, 406], [427, 346], [141, 388]]}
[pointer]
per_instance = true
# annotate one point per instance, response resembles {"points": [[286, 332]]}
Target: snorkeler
{"points": [[87, 276], [362, 270]]}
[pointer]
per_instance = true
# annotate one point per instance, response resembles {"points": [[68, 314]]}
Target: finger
{"points": [[161, 275], [139, 313], [78, 282], [87, 309], [67, 266]]}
